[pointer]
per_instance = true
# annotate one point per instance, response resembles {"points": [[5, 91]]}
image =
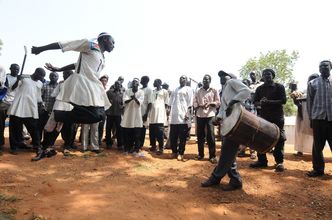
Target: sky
{"points": [[167, 39]]}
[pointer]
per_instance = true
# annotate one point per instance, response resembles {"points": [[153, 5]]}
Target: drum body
{"points": [[244, 127]]}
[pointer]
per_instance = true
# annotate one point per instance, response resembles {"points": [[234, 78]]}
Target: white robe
{"points": [[157, 114], [132, 116], [84, 88], [28, 94]]}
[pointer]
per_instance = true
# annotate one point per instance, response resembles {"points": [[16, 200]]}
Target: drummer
{"points": [[233, 91], [271, 97]]}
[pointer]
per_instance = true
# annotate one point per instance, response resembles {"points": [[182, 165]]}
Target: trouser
{"points": [[156, 133], [81, 115], [90, 130], [205, 124], [227, 163], [142, 135], [43, 118], [15, 131], [132, 137], [3, 116], [278, 152], [178, 132], [101, 126], [322, 131], [114, 121], [67, 133]]}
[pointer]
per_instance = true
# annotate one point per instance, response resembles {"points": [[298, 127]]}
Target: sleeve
{"points": [[283, 94], [171, 99], [310, 96], [242, 91], [190, 97], [140, 97], [166, 97], [83, 45], [257, 96], [56, 91], [195, 100], [126, 96], [216, 98], [150, 100]]}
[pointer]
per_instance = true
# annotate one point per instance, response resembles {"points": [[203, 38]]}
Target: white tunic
{"points": [[60, 105], [132, 116], [181, 99], [28, 94], [83, 87], [157, 114]]}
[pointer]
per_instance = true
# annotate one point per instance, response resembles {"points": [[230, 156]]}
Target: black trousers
{"points": [[3, 116], [278, 151], [101, 130], [205, 124], [142, 136], [114, 121], [132, 139], [178, 132], [227, 163], [81, 115], [15, 131], [322, 130], [156, 133]]}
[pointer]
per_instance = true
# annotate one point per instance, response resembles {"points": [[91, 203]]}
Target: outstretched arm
{"points": [[50, 67], [38, 50]]}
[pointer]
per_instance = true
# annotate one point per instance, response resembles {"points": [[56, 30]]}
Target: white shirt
{"points": [[83, 87], [147, 100], [28, 94], [132, 116], [9, 98], [60, 105], [180, 100], [157, 114], [234, 89]]}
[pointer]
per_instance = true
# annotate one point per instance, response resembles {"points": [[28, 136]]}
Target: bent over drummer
{"points": [[233, 91]]}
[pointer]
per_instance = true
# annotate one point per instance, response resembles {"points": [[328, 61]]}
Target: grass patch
{"points": [[6, 211]]}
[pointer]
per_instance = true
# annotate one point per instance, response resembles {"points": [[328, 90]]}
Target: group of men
{"points": [[47, 108]]}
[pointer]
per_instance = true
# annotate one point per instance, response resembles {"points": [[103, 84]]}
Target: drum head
{"points": [[229, 122]]}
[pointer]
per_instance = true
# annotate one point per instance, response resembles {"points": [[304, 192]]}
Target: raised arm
{"points": [[38, 50], [50, 67]]}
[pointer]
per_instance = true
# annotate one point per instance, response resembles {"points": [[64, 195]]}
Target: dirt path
{"points": [[118, 186]]}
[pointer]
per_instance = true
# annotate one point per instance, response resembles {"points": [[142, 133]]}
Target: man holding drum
{"points": [[233, 91], [271, 97]]}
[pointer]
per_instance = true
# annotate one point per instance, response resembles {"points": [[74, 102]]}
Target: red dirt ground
{"points": [[117, 186]]}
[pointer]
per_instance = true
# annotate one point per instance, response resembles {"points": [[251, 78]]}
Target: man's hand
{"points": [[52, 68], [229, 110], [264, 101], [36, 50], [216, 121]]}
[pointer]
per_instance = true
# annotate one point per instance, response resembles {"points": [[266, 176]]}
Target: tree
{"points": [[282, 63]]}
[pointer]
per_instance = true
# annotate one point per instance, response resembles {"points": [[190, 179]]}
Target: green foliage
{"points": [[282, 63]]}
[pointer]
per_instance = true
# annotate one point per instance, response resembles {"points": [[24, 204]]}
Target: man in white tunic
{"points": [[132, 117], [180, 102], [145, 106], [24, 109], [83, 89], [9, 94], [158, 117]]}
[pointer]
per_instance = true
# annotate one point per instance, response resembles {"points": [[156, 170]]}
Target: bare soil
{"points": [[117, 186]]}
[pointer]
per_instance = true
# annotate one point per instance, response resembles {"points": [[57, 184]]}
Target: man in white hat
{"points": [[83, 89]]}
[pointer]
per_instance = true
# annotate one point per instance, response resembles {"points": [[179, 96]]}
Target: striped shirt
{"points": [[203, 97], [319, 99]]}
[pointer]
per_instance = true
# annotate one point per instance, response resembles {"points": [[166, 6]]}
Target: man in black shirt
{"points": [[271, 97]]}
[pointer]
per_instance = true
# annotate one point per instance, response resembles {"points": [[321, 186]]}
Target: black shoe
{"points": [[314, 173], [153, 149], [258, 164], [96, 151], [230, 187], [40, 155], [279, 167], [160, 152], [13, 152], [198, 157], [210, 182], [50, 153]]}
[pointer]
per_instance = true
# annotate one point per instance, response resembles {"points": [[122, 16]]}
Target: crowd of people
{"points": [[122, 114]]}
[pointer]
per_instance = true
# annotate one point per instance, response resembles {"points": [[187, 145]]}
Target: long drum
{"points": [[244, 127]]}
